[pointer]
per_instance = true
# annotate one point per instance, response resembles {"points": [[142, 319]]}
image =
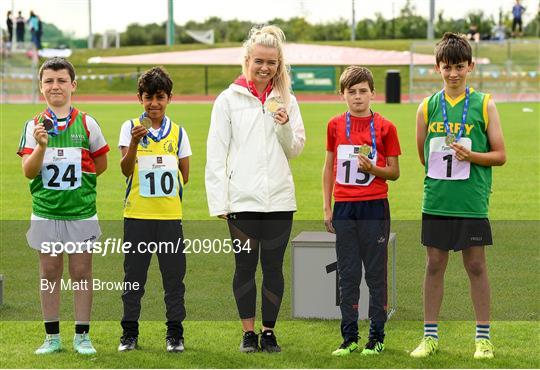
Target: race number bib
{"points": [[443, 165], [347, 172], [158, 175], [61, 169]]}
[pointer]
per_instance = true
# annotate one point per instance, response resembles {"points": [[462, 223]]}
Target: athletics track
{"points": [[302, 98]]}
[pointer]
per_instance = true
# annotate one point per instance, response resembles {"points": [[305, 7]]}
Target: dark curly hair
{"points": [[154, 80]]}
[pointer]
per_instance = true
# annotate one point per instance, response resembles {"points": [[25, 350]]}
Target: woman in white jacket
{"points": [[255, 129]]}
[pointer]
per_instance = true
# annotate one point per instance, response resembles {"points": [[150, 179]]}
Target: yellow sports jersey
{"points": [[154, 190]]}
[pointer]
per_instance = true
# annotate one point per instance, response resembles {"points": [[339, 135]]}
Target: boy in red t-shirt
{"points": [[362, 150]]}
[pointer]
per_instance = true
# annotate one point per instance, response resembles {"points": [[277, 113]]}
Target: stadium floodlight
{"points": [[170, 23], [353, 24], [430, 30], [90, 35]]}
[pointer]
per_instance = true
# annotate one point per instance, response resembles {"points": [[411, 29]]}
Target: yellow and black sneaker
{"points": [[346, 348], [427, 347], [373, 347], [484, 349]]}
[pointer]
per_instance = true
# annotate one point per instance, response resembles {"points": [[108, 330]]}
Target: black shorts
{"points": [[455, 233], [262, 225], [517, 23]]}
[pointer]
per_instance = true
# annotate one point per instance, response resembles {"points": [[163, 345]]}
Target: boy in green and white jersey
{"points": [[63, 151], [459, 139]]}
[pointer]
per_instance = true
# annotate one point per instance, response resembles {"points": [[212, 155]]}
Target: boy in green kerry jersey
{"points": [[459, 139], [63, 151]]}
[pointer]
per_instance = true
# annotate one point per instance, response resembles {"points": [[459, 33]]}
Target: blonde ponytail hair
{"points": [[270, 36]]}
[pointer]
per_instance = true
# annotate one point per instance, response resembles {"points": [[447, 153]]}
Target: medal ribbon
{"points": [[463, 116], [54, 118], [160, 132], [371, 129]]}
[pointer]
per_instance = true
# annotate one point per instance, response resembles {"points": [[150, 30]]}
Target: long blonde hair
{"points": [[270, 36]]}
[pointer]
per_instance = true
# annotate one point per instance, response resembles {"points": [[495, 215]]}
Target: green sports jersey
{"points": [[452, 187], [65, 188]]}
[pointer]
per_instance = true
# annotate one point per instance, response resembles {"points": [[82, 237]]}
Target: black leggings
{"points": [[172, 264], [268, 235]]}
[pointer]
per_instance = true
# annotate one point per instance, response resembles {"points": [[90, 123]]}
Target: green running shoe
{"points": [[373, 347], [427, 347], [484, 349], [83, 345], [51, 344], [346, 348]]}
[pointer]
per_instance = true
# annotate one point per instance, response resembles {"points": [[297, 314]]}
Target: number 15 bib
{"points": [[443, 165], [347, 171]]}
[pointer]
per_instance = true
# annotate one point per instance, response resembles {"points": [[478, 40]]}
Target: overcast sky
{"points": [[72, 15]]}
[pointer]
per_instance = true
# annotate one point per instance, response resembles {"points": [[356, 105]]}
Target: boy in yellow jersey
{"points": [[459, 139], [155, 160]]}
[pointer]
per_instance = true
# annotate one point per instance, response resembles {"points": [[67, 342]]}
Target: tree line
{"points": [[407, 25]]}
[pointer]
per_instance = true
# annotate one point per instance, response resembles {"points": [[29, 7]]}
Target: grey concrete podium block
{"points": [[314, 288]]}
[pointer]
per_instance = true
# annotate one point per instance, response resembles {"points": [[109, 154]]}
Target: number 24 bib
{"points": [[61, 168], [347, 172], [443, 165], [158, 175]]}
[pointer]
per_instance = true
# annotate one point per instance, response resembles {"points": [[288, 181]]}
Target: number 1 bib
{"points": [[347, 172], [443, 165], [61, 169], [158, 175]]}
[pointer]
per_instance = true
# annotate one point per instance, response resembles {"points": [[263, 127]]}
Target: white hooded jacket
{"points": [[247, 168]]}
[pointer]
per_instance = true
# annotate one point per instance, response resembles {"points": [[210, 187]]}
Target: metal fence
{"points": [[510, 70], [18, 74]]}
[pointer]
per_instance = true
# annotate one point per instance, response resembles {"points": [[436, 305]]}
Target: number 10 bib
{"points": [[443, 165], [158, 175], [347, 171]]}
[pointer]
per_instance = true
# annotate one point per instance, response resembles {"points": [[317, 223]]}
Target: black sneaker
{"points": [[127, 344], [269, 342], [250, 342], [175, 344]]}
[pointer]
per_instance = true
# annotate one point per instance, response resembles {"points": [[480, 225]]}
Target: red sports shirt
{"points": [[387, 146]]}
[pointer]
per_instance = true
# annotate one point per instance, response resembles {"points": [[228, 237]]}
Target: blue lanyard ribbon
{"points": [[463, 116], [54, 117], [371, 129], [160, 132]]}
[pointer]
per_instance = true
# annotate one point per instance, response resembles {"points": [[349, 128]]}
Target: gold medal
{"points": [[146, 122], [365, 149], [449, 139], [274, 104]]}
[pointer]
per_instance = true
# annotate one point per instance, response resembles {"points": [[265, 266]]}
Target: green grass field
{"points": [[211, 330]]}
